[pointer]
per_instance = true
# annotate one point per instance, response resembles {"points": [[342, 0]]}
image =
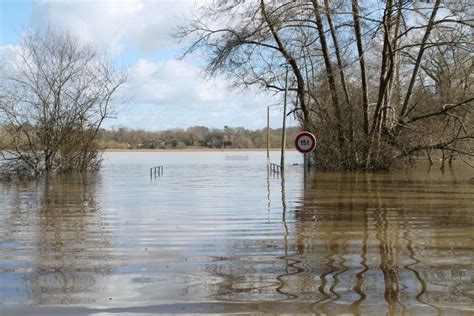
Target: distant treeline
{"points": [[194, 137]]}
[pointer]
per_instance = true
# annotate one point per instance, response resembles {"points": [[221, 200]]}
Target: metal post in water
{"points": [[283, 136], [268, 133]]}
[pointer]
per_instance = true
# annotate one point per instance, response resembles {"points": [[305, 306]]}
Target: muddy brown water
{"points": [[216, 234]]}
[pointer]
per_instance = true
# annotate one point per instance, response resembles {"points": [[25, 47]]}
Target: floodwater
{"points": [[215, 234]]}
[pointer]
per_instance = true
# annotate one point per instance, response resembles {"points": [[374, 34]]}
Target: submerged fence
{"points": [[274, 168], [156, 171]]}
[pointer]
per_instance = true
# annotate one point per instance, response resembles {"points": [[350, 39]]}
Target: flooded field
{"points": [[216, 234]]}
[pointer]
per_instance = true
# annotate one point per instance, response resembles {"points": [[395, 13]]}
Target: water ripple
{"points": [[218, 236]]}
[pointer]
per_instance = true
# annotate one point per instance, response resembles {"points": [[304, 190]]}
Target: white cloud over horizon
{"points": [[164, 92], [175, 94], [174, 82], [110, 24]]}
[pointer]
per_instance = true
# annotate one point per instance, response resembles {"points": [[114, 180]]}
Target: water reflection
{"points": [[218, 236], [403, 241], [291, 265], [62, 242]]}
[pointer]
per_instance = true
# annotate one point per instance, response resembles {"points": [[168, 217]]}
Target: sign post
{"points": [[268, 133], [283, 128], [305, 142]]}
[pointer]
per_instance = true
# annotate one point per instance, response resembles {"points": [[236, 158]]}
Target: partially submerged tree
{"points": [[54, 99], [371, 82]]}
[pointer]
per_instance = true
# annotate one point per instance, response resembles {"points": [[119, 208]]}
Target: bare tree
{"points": [[55, 97], [364, 78]]}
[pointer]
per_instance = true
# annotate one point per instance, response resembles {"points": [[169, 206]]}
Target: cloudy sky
{"points": [[166, 92]]}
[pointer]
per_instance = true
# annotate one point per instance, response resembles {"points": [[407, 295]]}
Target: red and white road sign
{"points": [[305, 142]]}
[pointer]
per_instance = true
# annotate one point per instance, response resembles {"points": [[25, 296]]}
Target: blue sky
{"points": [[165, 92]]}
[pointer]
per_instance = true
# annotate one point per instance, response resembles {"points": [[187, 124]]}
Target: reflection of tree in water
{"points": [[70, 238], [369, 242], [353, 244]]}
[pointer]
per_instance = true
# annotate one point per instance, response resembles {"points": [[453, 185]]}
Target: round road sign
{"points": [[305, 142]]}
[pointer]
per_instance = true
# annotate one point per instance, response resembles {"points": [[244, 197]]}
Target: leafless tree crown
{"points": [[375, 81], [55, 97]]}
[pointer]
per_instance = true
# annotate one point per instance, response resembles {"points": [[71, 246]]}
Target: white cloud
{"points": [[174, 83], [108, 24], [11, 60], [174, 93], [7, 54], [164, 94]]}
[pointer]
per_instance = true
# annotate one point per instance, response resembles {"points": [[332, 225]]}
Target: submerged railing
{"points": [[156, 171], [274, 168]]}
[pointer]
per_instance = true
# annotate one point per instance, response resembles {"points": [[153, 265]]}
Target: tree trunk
{"points": [[414, 74], [332, 82], [363, 71], [342, 76], [294, 66]]}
